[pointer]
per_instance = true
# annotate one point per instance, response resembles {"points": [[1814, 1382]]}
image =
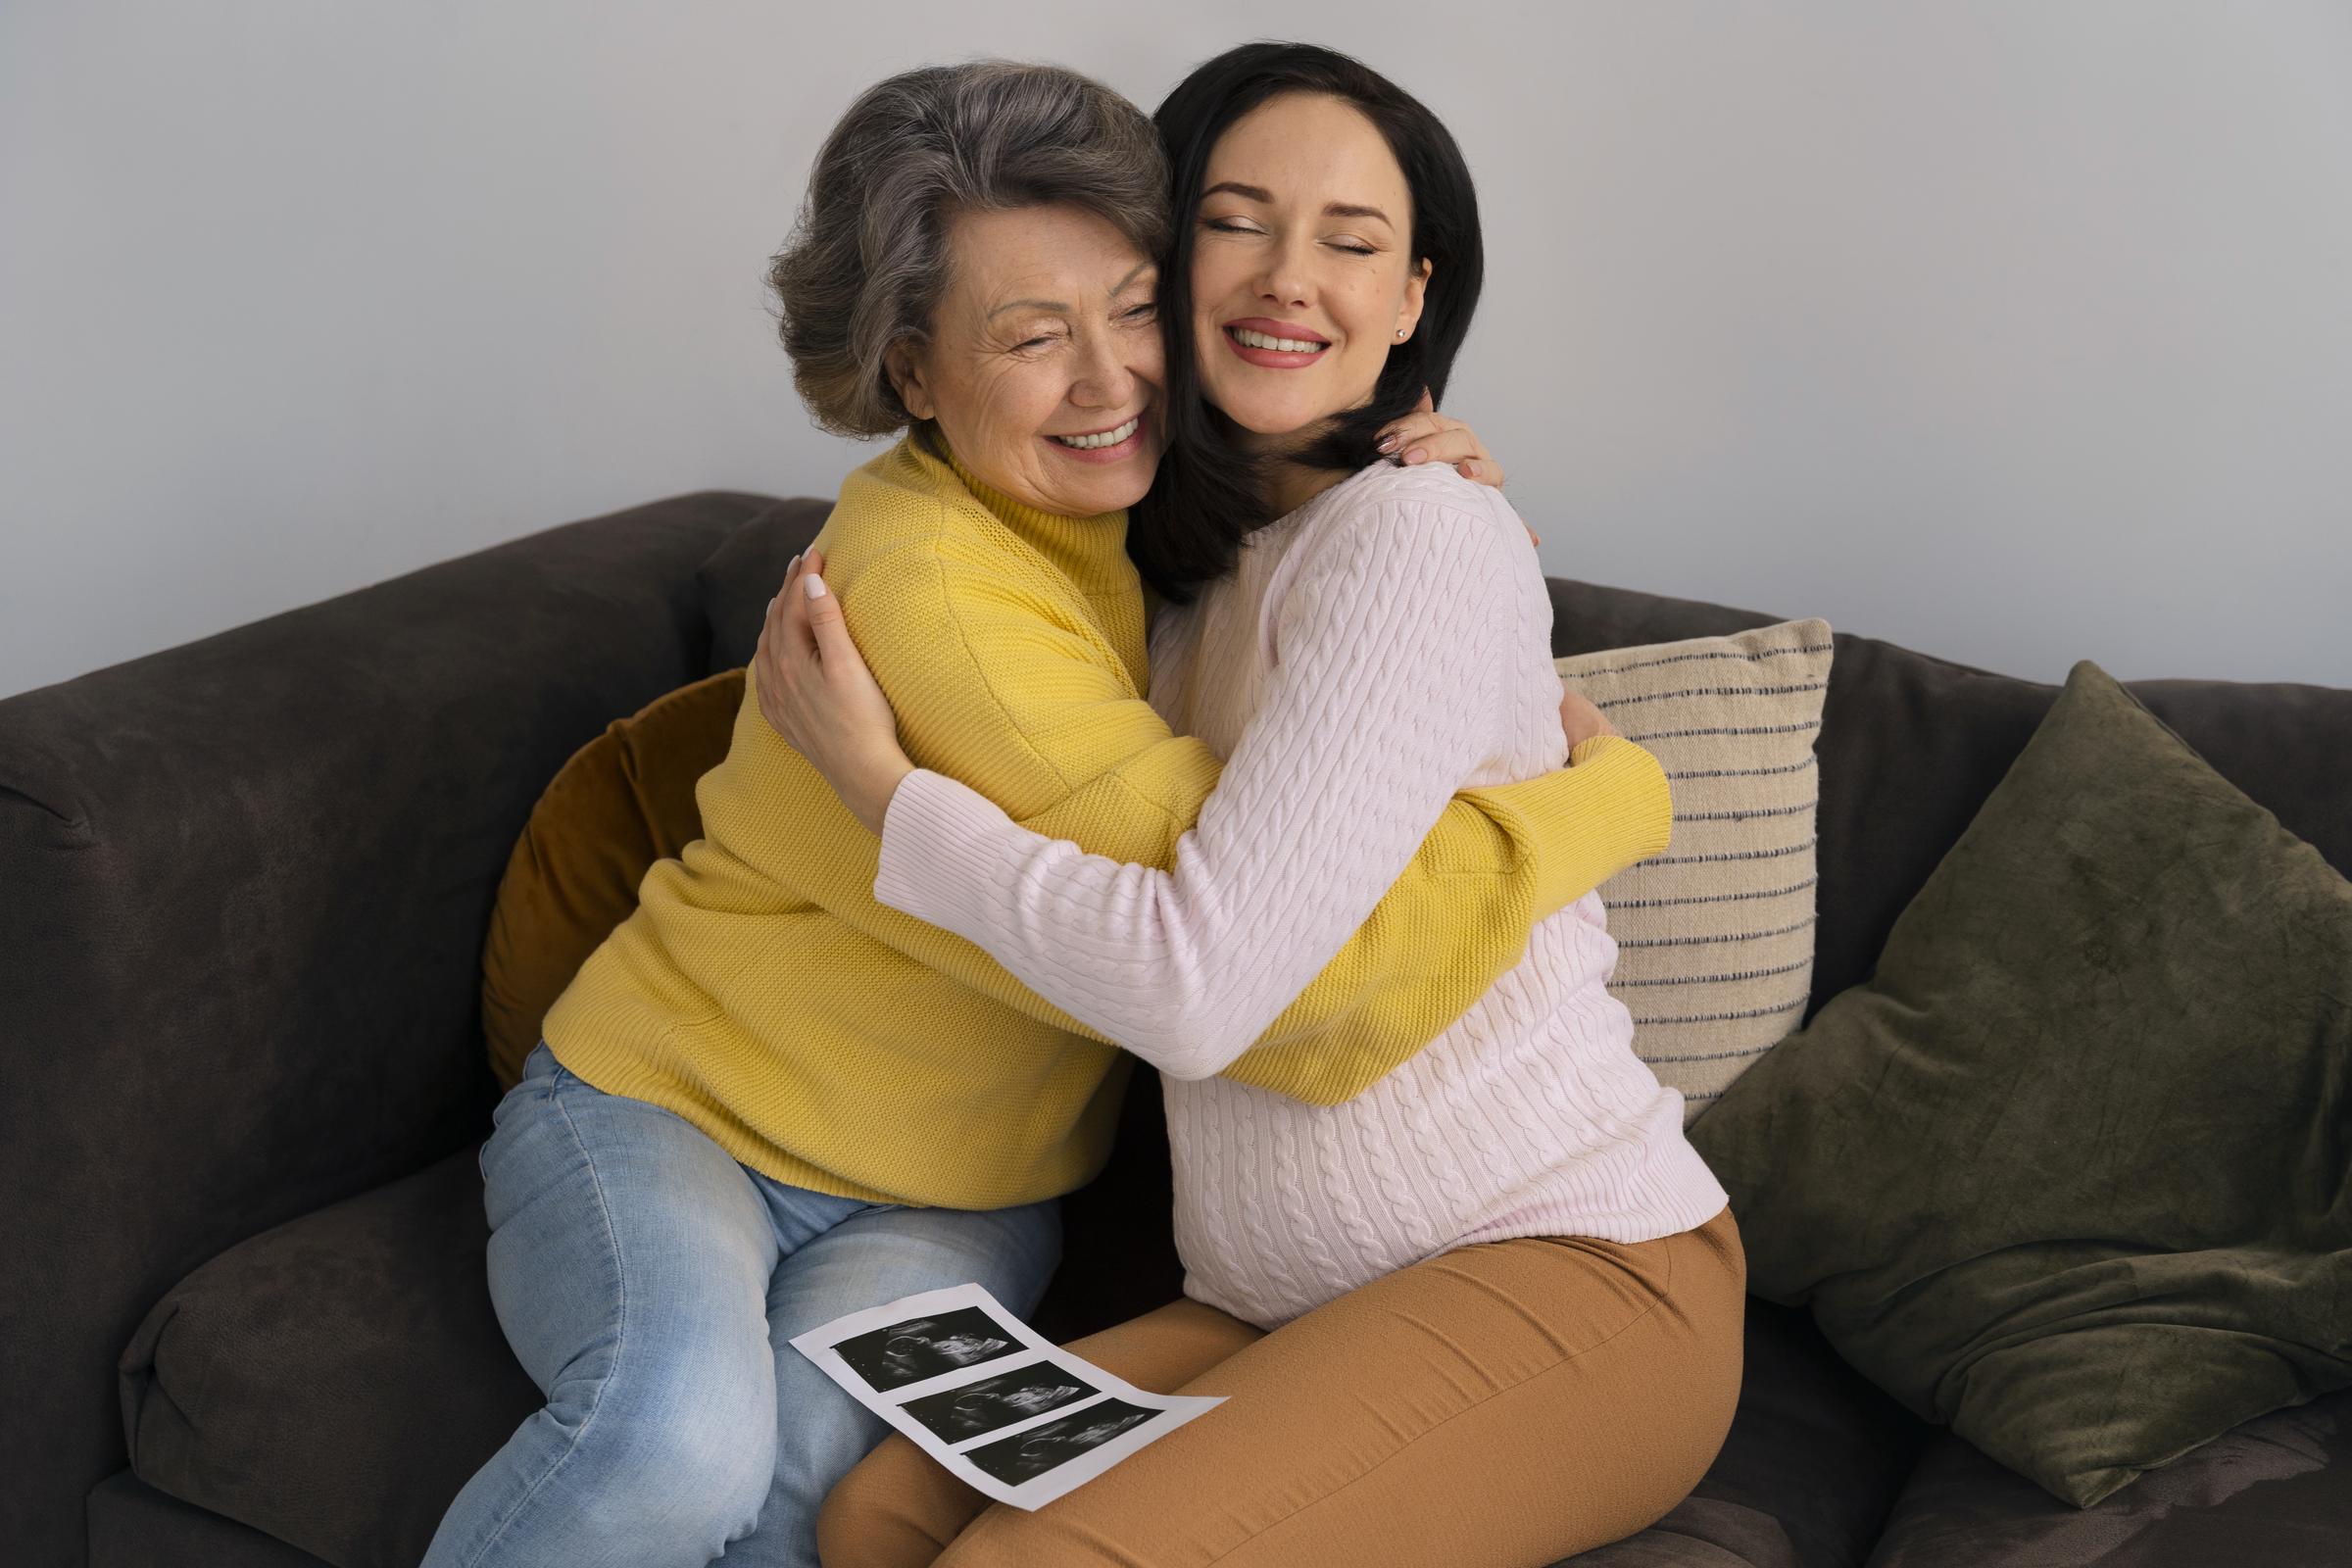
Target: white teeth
{"points": [[1107, 438], [1288, 345]]}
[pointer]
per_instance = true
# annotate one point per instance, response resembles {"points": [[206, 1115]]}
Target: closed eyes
{"points": [[1228, 227]]}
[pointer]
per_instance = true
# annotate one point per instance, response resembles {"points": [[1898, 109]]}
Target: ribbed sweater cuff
{"points": [[943, 852], [1619, 813]]}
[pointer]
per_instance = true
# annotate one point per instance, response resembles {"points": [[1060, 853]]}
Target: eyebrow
{"points": [[1259, 194], [1124, 284]]}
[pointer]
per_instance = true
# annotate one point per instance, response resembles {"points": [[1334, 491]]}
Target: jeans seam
{"points": [[619, 1343], [1377, 1465]]}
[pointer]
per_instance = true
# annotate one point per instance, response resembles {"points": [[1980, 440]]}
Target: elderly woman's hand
{"points": [[1427, 436], [815, 691]]}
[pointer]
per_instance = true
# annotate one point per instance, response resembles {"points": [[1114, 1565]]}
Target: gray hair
{"points": [[867, 261]]}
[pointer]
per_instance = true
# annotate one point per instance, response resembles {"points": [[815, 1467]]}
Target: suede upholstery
{"points": [[262, 1012]]}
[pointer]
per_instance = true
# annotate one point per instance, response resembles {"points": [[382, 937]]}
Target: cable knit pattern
{"points": [[1380, 647]]}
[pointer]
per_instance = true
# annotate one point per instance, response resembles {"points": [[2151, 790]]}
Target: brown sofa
{"points": [[243, 891]]}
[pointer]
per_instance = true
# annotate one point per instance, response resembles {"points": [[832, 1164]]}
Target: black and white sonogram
{"points": [[961, 1414], [1027, 1455], [922, 1348]]}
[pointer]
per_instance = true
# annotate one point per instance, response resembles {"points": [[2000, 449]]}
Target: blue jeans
{"points": [[651, 1286]]}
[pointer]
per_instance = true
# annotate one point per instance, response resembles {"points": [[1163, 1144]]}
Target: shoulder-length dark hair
{"points": [[1210, 495]]}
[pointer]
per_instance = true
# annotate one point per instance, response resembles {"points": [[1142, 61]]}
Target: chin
{"points": [[1278, 424], [1109, 494]]}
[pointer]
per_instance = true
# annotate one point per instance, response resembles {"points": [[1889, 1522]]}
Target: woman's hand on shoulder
{"points": [[817, 692], [1427, 436]]}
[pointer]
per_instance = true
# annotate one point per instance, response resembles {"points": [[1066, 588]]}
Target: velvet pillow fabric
{"points": [[1715, 935], [2069, 1171], [622, 801]]}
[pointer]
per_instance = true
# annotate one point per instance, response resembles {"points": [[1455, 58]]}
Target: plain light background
{"points": [[2016, 334]]}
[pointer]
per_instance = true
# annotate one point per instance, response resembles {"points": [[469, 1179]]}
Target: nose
{"points": [[1286, 281], [1104, 381]]}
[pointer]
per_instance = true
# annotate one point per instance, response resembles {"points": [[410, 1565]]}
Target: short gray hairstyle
{"points": [[867, 261]]}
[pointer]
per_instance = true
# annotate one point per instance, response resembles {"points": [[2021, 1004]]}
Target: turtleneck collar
{"points": [[1087, 549]]}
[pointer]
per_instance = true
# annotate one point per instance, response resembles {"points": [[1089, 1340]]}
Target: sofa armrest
{"points": [[244, 886]]}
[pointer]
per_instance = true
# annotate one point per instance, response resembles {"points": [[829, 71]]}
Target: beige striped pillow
{"points": [[1715, 935]]}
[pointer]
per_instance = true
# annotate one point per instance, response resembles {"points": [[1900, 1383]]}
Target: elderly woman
{"points": [[767, 1100]]}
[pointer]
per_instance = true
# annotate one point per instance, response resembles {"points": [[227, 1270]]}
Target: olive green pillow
{"points": [[2073, 1170], [624, 800]]}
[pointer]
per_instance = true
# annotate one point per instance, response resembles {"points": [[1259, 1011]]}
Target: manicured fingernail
{"points": [[1388, 443], [771, 604], [792, 564], [816, 585], [1417, 455]]}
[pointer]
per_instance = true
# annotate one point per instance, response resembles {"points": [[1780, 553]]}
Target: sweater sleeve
{"points": [[1322, 886]]}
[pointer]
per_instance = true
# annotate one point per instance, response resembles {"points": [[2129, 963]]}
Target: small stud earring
{"points": [[1400, 334]]}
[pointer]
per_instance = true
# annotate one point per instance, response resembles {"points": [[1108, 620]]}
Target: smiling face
{"points": [[1044, 364], [1301, 277]]}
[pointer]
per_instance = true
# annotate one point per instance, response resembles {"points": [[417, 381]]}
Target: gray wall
{"points": [[2016, 332]]}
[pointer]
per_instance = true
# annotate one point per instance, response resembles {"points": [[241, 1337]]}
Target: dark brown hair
{"points": [[1210, 495]]}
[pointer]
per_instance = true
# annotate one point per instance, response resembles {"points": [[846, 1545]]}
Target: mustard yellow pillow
{"points": [[624, 800]]}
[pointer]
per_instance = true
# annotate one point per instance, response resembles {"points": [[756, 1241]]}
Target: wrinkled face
{"points": [[1044, 364], [1302, 277]]}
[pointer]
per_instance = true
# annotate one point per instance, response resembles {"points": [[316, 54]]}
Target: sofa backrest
{"points": [[1911, 745]]}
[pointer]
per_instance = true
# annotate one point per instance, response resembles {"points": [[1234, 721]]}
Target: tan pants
{"points": [[1500, 1406]]}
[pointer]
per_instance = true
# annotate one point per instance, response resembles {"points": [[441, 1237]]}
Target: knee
{"points": [[876, 1516], [687, 1467]]}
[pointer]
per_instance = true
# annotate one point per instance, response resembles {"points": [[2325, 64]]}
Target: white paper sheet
{"points": [[1022, 1420]]}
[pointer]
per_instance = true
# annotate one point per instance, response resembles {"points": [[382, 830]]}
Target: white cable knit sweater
{"points": [[1376, 650]]}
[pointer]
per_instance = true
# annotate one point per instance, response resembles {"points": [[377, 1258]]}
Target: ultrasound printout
{"points": [[1016, 1417]]}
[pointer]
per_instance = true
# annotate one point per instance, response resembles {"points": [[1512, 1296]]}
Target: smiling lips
{"points": [[1274, 345], [1114, 445]]}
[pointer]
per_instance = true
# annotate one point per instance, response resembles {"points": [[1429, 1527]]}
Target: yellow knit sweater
{"points": [[761, 993]]}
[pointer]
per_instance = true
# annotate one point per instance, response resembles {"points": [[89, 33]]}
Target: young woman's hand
{"points": [[817, 692], [1580, 721], [1427, 436]]}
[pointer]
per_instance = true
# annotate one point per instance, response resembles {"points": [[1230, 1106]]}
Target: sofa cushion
{"points": [[2066, 1173], [132, 1525], [333, 1381], [622, 802], [2274, 1491], [1715, 935]]}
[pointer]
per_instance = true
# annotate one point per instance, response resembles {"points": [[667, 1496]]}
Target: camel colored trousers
{"points": [[1500, 1406]]}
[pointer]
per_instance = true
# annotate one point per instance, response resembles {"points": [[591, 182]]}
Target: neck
{"points": [[1289, 484], [1292, 485], [1087, 548]]}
